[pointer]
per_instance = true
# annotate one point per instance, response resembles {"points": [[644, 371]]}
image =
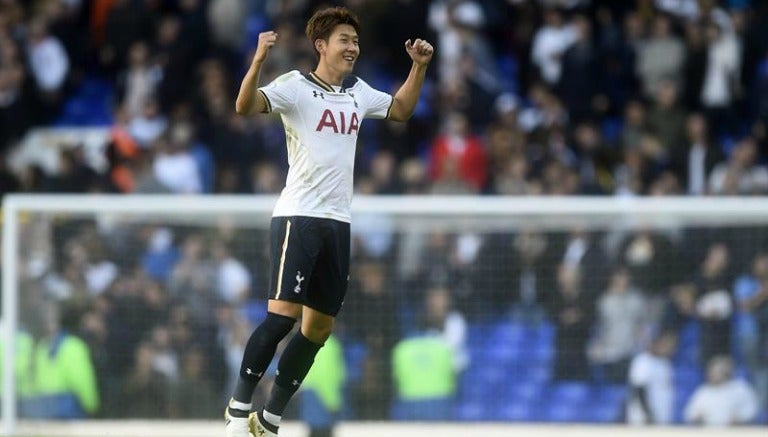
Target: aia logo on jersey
{"points": [[340, 123]]}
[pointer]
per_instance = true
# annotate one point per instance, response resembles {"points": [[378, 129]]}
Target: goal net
{"points": [[458, 308]]}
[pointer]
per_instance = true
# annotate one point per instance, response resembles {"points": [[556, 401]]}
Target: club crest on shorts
{"points": [[299, 279]]}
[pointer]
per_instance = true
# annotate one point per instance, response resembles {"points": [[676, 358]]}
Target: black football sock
{"points": [[293, 366], [259, 353]]}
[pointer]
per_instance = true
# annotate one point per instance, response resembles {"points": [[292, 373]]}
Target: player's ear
{"points": [[320, 45]]}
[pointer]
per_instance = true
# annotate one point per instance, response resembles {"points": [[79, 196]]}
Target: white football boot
{"points": [[236, 422], [260, 427]]}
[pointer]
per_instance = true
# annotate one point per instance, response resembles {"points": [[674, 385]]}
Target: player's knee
{"points": [[317, 331], [273, 329]]}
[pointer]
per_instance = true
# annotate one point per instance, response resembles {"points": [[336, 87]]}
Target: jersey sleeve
{"points": [[377, 103], [281, 94]]}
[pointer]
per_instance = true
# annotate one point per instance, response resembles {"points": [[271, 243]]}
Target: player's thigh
{"points": [[295, 245], [328, 284], [285, 308]]}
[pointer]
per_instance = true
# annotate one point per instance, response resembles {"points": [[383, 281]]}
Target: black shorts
{"points": [[309, 262]]}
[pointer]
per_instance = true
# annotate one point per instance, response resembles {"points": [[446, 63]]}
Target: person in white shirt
{"points": [[652, 394], [174, 166], [322, 112], [722, 400], [47, 58], [741, 174], [550, 43]]}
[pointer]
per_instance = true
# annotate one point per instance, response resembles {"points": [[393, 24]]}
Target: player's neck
{"points": [[329, 75]]}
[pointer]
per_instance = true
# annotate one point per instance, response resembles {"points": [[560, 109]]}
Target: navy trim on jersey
{"points": [[266, 99], [348, 82], [389, 110], [319, 82]]}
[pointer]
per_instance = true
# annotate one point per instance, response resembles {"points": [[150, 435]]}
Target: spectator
{"points": [[227, 22], [139, 81], [751, 323], [233, 280], [17, 110], [714, 305], [424, 377], [695, 164], [193, 279], [322, 395], [695, 65], [161, 255], [371, 302], [652, 261], [458, 153], [722, 400], [580, 84], [441, 319], [621, 312], [571, 311], [193, 384], [551, 41], [145, 389], [517, 269], [652, 395], [64, 380], [126, 22], [48, 61], [175, 166], [24, 348], [666, 121], [721, 79], [660, 57], [741, 174]]}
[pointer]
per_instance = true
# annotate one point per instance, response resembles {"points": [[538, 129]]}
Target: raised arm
{"points": [[405, 99], [249, 100]]}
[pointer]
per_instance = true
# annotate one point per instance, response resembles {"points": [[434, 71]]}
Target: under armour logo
{"points": [[353, 99], [251, 372], [299, 278], [260, 431], [317, 94], [295, 383]]}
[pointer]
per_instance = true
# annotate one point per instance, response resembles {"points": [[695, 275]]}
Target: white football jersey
{"points": [[321, 127]]}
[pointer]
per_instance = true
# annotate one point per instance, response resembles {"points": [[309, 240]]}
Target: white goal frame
{"points": [[589, 210]]}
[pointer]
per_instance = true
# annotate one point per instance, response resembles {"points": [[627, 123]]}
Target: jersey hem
{"points": [[331, 216]]}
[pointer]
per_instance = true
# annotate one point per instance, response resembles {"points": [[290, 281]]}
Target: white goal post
{"points": [[424, 212]]}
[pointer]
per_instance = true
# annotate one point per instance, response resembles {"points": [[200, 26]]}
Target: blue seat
{"points": [[538, 373], [689, 335], [507, 333], [527, 392], [254, 310], [354, 355], [515, 412], [542, 353], [610, 395], [688, 376], [603, 413], [503, 353], [492, 375], [473, 411], [569, 392], [561, 413]]}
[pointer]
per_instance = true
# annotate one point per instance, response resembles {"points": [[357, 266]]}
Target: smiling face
{"points": [[341, 50]]}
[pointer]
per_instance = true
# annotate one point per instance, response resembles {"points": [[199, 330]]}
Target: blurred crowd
{"points": [[433, 319], [524, 97]]}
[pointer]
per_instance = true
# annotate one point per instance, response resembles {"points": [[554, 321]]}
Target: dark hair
{"points": [[322, 23]]}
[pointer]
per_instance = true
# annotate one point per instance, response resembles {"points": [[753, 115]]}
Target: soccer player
{"points": [[322, 112]]}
